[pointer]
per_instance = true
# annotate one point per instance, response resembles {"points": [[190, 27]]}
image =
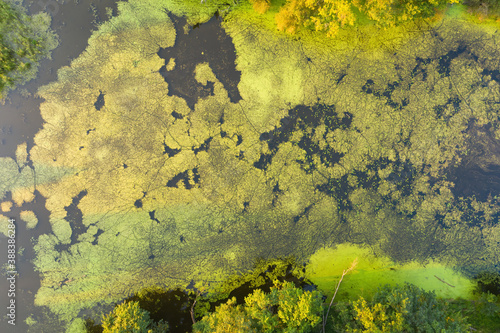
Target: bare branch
{"points": [[191, 311], [353, 265]]}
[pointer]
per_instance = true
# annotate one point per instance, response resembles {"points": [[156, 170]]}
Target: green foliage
{"points": [[171, 306], [129, 317], [24, 41], [331, 15], [77, 326], [261, 6], [489, 282], [398, 309], [483, 313], [198, 11], [284, 309], [262, 275]]}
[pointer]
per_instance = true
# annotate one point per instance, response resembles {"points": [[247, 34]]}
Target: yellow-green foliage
{"points": [[332, 15], [129, 317], [261, 6], [30, 218], [77, 326], [284, 309], [197, 11], [6, 206], [404, 308], [4, 225]]}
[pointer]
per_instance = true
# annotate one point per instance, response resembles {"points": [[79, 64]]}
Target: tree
{"points": [[24, 41], [399, 309], [332, 15], [129, 317], [284, 309], [261, 6], [294, 14]]}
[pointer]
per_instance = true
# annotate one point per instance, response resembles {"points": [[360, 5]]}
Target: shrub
{"points": [[261, 6], [284, 309], [129, 317], [398, 309]]}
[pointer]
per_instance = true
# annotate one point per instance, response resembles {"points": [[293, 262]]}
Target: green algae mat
{"points": [[177, 156]]}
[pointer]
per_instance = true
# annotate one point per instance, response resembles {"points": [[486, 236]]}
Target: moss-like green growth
{"points": [[4, 225], [30, 321], [326, 266], [30, 218], [77, 326], [199, 11]]}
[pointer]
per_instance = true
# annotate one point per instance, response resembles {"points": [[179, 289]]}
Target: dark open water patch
{"points": [[494, 74], [448, 109], [100, 101], [28, 280], [207, 43], [478, 174], [478, 181], [203, 147], [369, 88], [170, 152], [303, 118], [185, 178], [75, 217]]}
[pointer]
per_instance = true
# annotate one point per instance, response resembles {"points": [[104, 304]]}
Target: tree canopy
{"points": [[404, 308], [284, 309], [331, 15], [287, 308], [24, 41], [129, 317]]}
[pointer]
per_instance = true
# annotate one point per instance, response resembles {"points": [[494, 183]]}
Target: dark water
{"points": [[20, 120], [207, 44], [478, 174]]}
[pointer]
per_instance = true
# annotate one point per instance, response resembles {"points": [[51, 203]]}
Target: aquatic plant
{"points": [[292, 148], [24, 41]]}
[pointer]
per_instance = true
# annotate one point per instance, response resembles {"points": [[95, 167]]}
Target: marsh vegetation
{"points": [[179, 147]]}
